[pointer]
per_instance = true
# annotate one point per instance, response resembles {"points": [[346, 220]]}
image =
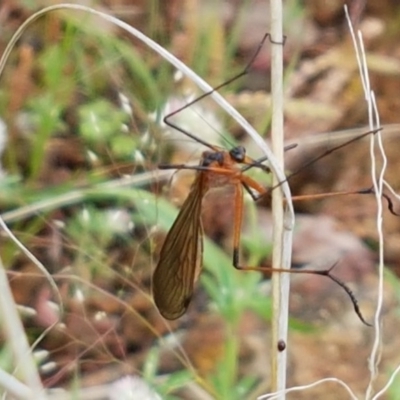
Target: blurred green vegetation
{"points": [[83, 103]]}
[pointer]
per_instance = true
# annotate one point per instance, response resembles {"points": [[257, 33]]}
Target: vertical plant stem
{"points": [[280, 282], [377, 175]]}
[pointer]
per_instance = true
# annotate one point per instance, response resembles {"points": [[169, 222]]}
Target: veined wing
{"points": [[180, 257]]}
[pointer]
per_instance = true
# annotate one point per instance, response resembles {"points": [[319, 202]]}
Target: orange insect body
{"points": [[181, 255]]}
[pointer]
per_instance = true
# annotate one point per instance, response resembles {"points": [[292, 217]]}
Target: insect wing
{"points": [[180, 258]]}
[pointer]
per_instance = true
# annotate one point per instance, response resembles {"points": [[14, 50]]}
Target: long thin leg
{"points": [[199, 98], [235, 261], [370, 190], [324, 154], [237, 223], [326, 272]]}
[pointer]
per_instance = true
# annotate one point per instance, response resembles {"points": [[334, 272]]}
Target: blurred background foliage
{"points": [[81, 134]]}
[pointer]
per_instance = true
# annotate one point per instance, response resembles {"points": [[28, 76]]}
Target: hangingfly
{"points": [[181, 256]]}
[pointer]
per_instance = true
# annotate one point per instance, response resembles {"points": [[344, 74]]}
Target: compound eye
{"points": [[238, 153]]}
